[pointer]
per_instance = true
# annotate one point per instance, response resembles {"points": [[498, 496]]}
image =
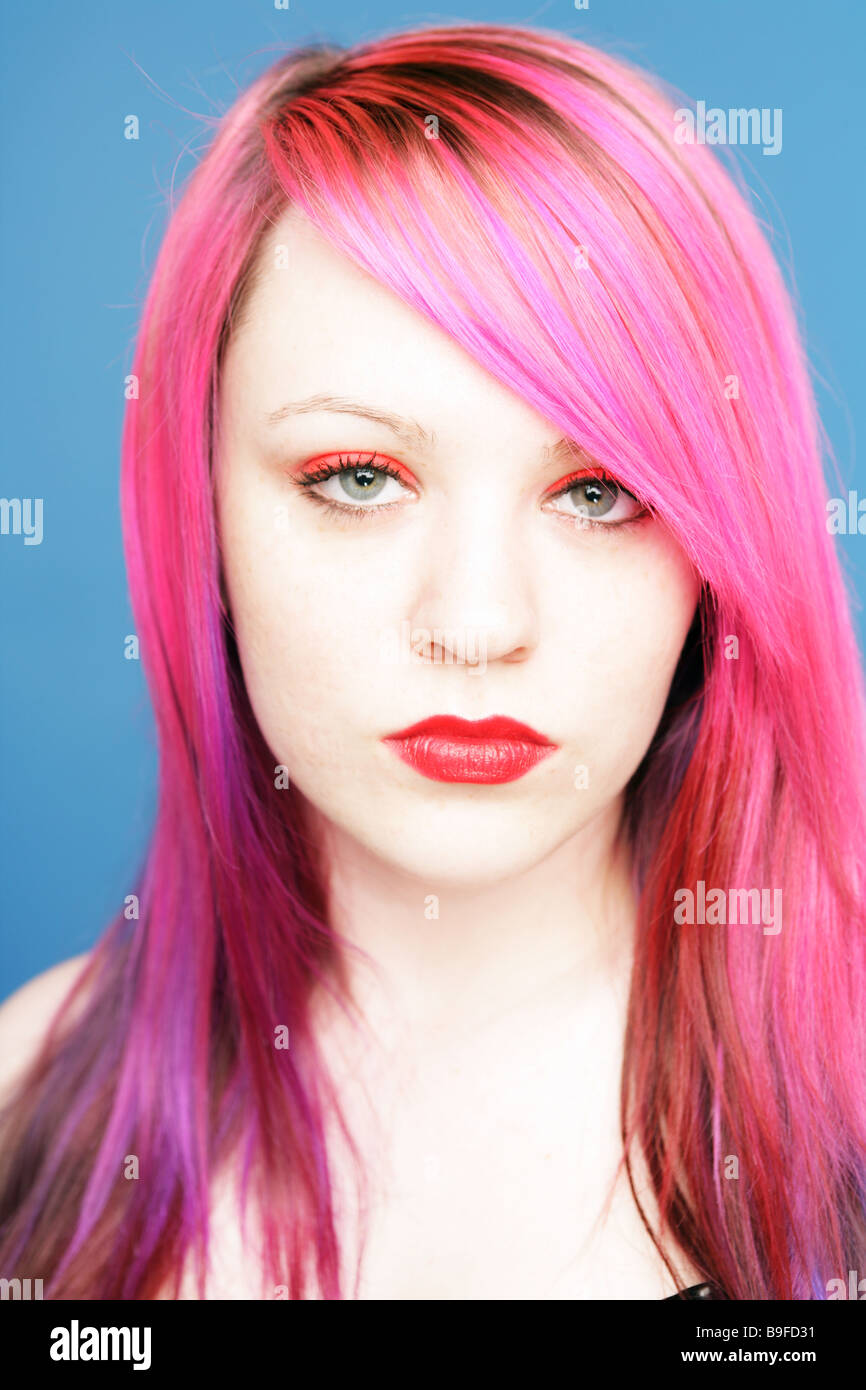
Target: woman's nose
{"points": [[474, 600]]}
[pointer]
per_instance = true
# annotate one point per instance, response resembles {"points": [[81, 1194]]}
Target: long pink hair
{"points": [[525, 192]]}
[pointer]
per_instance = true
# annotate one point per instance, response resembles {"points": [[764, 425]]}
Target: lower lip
{"points": [[450, 759]]}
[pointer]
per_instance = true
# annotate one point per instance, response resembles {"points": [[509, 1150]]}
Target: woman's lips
{"points": [[447, 749]]}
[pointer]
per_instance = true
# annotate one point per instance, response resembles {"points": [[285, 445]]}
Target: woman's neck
{"points": [[451, 957]]}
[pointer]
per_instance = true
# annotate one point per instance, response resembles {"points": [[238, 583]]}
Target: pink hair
{"points": [[668, 346]]}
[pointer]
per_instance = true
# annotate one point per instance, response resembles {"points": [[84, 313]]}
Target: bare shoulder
{"points": [[26, 1015]]}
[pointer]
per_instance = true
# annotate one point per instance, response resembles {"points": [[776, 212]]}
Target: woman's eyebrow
{"points": [[408, 430], [565, 451]]}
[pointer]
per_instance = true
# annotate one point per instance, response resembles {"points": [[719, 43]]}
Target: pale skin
{"points": [[484, 1094]]}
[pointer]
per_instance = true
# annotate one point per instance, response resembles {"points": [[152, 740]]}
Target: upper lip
{"points": [[495, 727]]}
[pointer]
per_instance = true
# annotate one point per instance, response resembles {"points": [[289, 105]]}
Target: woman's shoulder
{"points": [[26, 1015]]}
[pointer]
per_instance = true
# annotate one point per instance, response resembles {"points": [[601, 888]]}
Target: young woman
{"points": [[501, 935]]}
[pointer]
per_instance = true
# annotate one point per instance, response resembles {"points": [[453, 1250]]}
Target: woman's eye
{"points": [[354, 484], [363, 485], [596, 498]]}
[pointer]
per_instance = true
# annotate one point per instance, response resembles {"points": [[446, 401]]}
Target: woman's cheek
{"points": [[311, 670], [628, 661]]}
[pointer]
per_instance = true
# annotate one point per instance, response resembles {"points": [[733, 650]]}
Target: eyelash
{"points": [[603, 476], [320, 473]]}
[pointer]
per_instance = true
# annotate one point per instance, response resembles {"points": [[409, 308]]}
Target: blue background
{"points": [[83, 212]]}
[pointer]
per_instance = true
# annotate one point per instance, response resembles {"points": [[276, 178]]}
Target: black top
{"points": [[701, 1291]]}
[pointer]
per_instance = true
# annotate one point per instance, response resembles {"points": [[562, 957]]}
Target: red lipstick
{"points": [[448, 749]]}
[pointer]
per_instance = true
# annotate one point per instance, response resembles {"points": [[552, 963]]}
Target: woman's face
{"points": [[468, 585]]}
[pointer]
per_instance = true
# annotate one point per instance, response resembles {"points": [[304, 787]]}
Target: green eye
{"points": [[596, 499], [362, 483], [592, 497]]}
